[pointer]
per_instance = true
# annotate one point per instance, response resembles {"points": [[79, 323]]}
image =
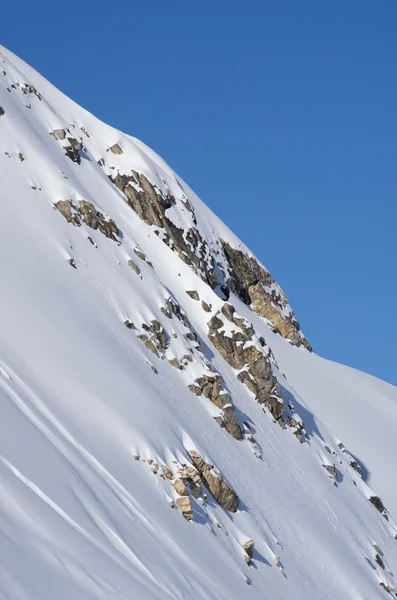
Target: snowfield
{"points": [[90, 413]]}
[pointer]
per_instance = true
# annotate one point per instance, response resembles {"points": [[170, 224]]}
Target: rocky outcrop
{"points": [[59, 134], [172, 308], [29, 90], [193, 294], [255, 286], [2, 111], [85, 212], [240, 350], [134, 267], [212, 387], [331, 470], [377, 502], [249, 551], [116, 149], [151, 205], [185, 507], [73, 150], [215, 483], [156, 339]]}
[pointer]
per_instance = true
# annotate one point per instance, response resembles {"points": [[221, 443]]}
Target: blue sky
{"points": [[281, 115]]}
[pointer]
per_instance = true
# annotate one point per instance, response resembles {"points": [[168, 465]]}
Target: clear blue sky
{"points": [[282, 115]]}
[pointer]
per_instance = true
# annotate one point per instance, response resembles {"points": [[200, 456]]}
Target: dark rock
{"points": [[379, 561], [206, 307], [355, 465], [2, 111], [73, 150], [193, 294], [377, 502]]}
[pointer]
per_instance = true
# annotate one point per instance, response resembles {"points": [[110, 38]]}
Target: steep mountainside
{"points": [[166, 430]]}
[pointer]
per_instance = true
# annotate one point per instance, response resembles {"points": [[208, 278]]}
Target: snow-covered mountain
{"points": [[166, 430]]}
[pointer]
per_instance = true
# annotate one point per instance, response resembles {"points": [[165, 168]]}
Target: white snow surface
{"points": [[79, 517]]}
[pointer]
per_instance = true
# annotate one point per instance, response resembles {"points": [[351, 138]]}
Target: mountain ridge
{"points": [[148, 360]]}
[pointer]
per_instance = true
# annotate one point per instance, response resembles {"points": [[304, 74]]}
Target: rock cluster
{"points": [[254, 285], [212, 387], [215, 483], [151, 205], [240, 351], [156, 339], [73, 150], [85, 212]]}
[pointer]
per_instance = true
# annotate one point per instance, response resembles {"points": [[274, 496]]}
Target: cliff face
{"points": [[166, 430]]}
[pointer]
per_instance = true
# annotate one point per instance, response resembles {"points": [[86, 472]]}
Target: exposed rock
{"points": [[212, 387], [30, 90], [355, 465], [134, 267], [205, 306], [72, 263], [148, 343], [157, 340], [254, 285], [85, 212], [175, 363], [192, 477], [379, 561], [215, 483], [59, 134], [174, 309], [83, 130], [73, 150], [193, 294], [128, 324], [239, 350], [180, 487], [185, 507], [332, 471], [377, 502], [142, 256], [151, 205], [116, 149], [167, 472], [249, 551], [2, 111], [21, 156]]}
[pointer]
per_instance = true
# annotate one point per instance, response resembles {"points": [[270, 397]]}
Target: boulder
{"points": [[185, 507], [193, 294], [215, 483], [116, 149], [134, 266], [180, 487]]}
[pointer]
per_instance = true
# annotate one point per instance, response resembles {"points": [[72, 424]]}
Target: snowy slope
{"points": [[92, 409]]}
